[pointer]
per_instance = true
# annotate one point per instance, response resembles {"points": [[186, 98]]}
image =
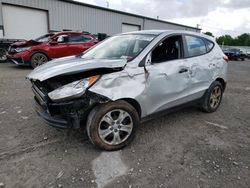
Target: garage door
{"points": [[24, 23], [129, 28]]}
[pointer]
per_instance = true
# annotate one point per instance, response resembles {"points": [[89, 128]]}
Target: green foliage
{"points": [[209, 34], [241, 40]]}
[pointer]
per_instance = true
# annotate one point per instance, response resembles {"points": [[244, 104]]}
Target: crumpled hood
{"points": [[25, 43], [72, 65]]}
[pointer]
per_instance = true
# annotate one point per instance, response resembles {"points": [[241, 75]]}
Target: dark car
{"points": [[50, 46], [235, 54]]}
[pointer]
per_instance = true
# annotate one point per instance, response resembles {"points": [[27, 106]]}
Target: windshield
{"points": [[44, 38], [120, 47]]}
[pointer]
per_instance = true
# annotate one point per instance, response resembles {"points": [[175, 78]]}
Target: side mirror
{"points": [[53, 43]]}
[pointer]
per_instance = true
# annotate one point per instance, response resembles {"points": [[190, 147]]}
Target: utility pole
{"points": [[198, 25], [107, 4]]}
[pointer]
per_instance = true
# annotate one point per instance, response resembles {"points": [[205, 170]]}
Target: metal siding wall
{"points": [[150, 24], [63, 15]]}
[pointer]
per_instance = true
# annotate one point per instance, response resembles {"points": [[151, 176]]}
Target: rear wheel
{"points": [[113, 125], [38, 59], [212, 98]]}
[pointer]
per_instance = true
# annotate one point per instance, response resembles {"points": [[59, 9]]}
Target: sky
{"points": [[217, 16]]}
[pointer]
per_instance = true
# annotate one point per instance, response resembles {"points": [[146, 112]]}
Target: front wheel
{"points": [[113, 125], [3, 55], [38, 59], [212, 98]]}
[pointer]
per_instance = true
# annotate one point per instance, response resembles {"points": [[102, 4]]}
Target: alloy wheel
{"points": [[215, 97], [39, 60], [115, 127], [3, 54]]}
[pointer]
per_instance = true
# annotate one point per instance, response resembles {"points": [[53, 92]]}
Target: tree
{"points": [[241, 40], [209, 34], [226, 40]]}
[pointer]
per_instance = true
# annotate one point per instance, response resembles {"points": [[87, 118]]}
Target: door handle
{"points": [[212, 64], [183, 70]]}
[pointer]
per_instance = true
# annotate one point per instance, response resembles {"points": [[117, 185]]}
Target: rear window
{"points": [[195, 46]]}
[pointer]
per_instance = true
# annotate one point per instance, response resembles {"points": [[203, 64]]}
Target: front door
{"points": [[59, 48], [168, 79]]}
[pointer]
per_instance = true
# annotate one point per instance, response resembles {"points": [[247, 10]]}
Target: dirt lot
{"points": [[187, 148]]}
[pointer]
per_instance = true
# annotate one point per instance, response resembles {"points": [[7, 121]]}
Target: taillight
{"points": [[226, 58]]}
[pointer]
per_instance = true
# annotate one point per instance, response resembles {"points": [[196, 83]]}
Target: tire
{"points": [[208, 101], [242, 59], [3, 55], [125, 127], [38, 59]]}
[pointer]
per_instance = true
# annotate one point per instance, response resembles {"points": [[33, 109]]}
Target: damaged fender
{"points": [[127, 84]]}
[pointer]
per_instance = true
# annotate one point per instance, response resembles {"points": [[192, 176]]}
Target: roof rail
{"points": [[86, 32]]}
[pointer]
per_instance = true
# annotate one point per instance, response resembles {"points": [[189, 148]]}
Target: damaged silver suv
{"points": [[128, 78]]}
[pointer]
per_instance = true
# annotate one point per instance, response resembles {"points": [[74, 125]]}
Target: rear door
{"points": [[201, 62], [78, 43]]}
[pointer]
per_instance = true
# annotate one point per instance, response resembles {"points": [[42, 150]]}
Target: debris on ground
{"points": [[216, 125], [235, 163], [2, 184], [59, 175]]}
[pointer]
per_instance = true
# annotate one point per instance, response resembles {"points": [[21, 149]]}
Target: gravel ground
{"points": [[187, 148]]}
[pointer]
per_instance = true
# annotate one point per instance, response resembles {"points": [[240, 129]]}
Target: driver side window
{"points": [[169, 49], [63, 39]]}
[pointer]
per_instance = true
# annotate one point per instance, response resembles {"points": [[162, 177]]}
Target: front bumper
{"points": [[63, 115], [68, 114], [17, 61], [44, 114], [21, 58]]}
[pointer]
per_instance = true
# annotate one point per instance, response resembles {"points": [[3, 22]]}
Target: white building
{"points": [[26, 19]]}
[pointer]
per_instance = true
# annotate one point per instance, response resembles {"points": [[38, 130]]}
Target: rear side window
{"points": [[86, 38], [76, 38], [195, 46], [209, 44], [79, 38]]}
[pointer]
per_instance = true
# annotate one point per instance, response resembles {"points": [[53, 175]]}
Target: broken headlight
{"points": [[73, 90], [22, 49]]}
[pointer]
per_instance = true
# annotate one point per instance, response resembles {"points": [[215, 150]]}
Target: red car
{"points": [[50, 46]]}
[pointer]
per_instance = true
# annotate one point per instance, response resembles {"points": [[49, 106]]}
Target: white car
{"points": [[128, 78]]}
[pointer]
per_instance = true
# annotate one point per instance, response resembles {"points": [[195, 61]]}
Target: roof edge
{"points": [[126, 13]]}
